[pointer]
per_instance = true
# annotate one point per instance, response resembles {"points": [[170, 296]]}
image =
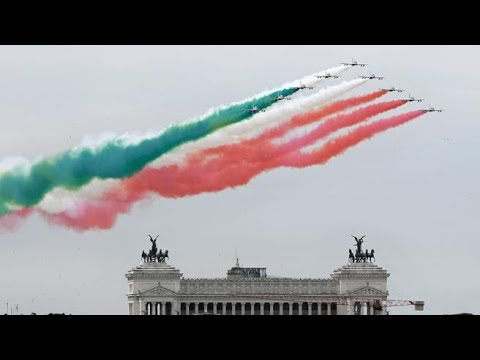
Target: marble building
{"points": [[157, 288]]}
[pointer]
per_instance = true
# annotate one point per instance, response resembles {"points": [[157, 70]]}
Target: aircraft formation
{"points": [[353, 63], [237, 158]]}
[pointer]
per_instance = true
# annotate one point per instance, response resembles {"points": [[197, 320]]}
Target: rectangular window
{"points": [[130, 288], [333, 308]]}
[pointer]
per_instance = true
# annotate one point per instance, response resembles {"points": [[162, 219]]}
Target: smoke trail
{"points": [[339, 145], [11, 221], [275, 116], [120, 157], [239, 163], [59, 200], [196, 177], [73, 169]]}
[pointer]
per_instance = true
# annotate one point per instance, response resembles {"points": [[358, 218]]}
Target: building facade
{"points": [[157, 288]]}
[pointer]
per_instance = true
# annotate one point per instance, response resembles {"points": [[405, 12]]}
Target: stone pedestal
{"points": [[360, 282], [152, 283]]}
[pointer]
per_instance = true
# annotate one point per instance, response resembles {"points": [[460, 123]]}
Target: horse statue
{"points": [[351, 257], [372, 255], [151, 256], [160, 256], [358, 256]]}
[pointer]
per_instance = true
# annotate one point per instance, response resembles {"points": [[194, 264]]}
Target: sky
{"points": [[413, 190]]}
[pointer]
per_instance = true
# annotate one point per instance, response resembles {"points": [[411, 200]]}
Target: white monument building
{"points": [[157, 288]]}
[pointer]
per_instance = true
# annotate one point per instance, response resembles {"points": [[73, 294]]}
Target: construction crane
{"points": [[377, 305]]}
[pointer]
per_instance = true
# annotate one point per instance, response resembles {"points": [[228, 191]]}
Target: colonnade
{"points": [[257, 308]]}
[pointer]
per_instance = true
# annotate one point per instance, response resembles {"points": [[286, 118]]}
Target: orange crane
{"points": [[379, 304]]}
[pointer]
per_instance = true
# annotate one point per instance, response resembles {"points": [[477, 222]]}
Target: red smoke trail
{"points": [[197, 176], [102, 213], [239, 163], [91, 214], [340, 144], [10, 221], [296, 121]]}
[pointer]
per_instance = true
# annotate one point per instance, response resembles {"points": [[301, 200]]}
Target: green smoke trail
{"points": [[115, 160]]}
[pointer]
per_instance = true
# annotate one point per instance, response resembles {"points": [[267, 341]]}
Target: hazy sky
{"points": [[413, 190]]}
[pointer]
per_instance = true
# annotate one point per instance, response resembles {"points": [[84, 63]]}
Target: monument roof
{"points": [[360, 269], [154, 269]]}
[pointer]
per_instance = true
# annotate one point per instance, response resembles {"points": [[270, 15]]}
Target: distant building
{"points": [[157, 288]]}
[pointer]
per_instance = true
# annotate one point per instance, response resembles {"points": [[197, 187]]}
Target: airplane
{"points": [[304, 87], [354, 63], [254, 109], [432, 109], [411, 99], [281, 97], [372, 76], [392, 89], [327, 76]]}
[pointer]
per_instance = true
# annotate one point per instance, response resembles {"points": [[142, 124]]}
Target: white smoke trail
{"points": [[60, 200], [312, 80], [93, 142], [13, 162], [259, 122]]}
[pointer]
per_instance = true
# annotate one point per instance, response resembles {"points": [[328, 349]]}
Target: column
{"points": [[309, 308], [300, 308], [140, 306], [349, 307], [243, 308], [329, 312], [233, 308], [319, 308], [187, 308], [290, 308], [280, 308], [271, 308], [262, 310], [214, 308], [163, 310], [196, 308], [224, 308], [177, 309]]}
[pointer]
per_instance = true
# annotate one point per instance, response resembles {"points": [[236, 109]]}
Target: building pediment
{"points": [[367, 291], [159, 291]]}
